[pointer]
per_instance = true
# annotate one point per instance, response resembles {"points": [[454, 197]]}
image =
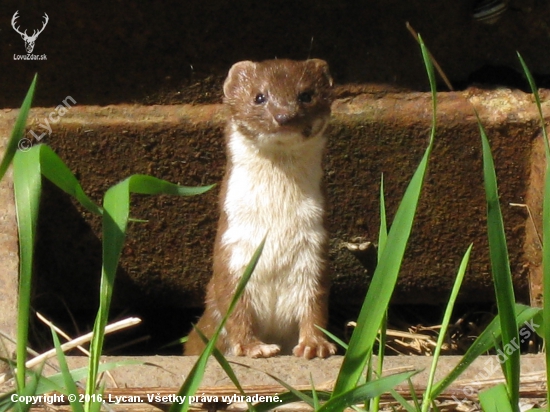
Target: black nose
{"points": [[282, 118]]}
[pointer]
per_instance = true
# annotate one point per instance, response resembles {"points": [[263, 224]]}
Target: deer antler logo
{"points": [[29, 40]]}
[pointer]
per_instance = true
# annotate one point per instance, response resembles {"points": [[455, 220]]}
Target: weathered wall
{"points": [[167, 259], [9, 262]]}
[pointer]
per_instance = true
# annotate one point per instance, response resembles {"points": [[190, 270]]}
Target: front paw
{"points": [[257, 350], [310, 348]]}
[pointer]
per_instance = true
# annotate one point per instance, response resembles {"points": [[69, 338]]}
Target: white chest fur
{"points": [[276, 192]]}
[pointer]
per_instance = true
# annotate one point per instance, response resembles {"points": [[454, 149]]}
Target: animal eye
{"points": [[305, 97], [260, 98]]}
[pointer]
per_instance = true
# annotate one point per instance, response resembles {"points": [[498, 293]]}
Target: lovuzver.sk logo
{"points": [[29, 40]]}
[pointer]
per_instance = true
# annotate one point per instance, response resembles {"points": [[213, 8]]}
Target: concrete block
{"points": [[9, 253]]}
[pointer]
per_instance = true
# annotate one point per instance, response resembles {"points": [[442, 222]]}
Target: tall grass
{"points": [[545, 223], [429, 393], [385, 275], [28, 204], [116, 212], [40, 161], [28, 169], [194, 378], [502, 275], [492, 399]]}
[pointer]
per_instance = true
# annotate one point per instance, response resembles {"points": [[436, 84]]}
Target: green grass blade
{"points": [[402, 401], [545, 224], [303, 396], [546, 262], [428, 396], [364, 392], [382, 285], [116, 208], [414, 397], [28, 168], [382, 238], [227, 368], [149, 185], [383, 232], [484, 342], [289, 397], [27, 187], [535, 92], [70, 384], [194, 378], [97, 406], [314, 396], [6, 404], [176, 342], [56, 381], [30, 389], [18, 129], [496, 399], [385, 275], [56, 171], [500, 267], [332, 336], [375, 403], [36, 378]]}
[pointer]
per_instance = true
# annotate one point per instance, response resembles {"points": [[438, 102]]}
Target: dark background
{"points": [[108, 52]]}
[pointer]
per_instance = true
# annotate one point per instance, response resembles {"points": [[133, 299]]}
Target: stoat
{"points": [[278, 113]]}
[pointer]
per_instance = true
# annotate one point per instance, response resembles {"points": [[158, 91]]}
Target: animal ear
{"points": [[320, 66], [239, 74]]}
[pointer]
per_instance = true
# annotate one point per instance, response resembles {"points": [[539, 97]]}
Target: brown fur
{"points": [[284, 79]]}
